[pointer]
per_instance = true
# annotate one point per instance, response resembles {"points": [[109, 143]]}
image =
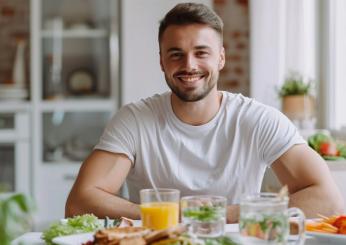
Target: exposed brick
{"points": [[241, 45], [243, 3], [238, 70], [232, 82], [220, 2], [236, 34], [234, 57], [7, 11], [235, 15]]}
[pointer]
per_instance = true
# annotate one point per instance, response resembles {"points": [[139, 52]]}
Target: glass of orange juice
{"points": [[159, 208]]}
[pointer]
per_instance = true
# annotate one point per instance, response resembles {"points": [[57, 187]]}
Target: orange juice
{"points": [[160, 215]]}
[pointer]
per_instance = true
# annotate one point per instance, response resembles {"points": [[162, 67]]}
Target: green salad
{"points": [[327, 147], [78, 224], [222, 240]]}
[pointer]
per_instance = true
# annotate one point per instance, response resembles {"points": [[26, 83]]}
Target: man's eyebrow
{"points": [[173, 50], [202, 47], [199, 47]]}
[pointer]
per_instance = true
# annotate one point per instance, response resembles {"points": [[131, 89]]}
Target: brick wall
{"points": [[14, 25], [235, 75]]}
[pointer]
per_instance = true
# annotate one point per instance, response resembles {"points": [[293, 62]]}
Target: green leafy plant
{"points": [[15, 216], [294, 85]]}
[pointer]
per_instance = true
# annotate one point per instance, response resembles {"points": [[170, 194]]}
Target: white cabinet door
{"points": [[15, 151], [55, 182], [141, 72]]}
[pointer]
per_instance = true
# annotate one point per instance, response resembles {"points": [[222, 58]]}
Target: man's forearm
{"points": [[101, 204], [233, 214], [315, 200]]}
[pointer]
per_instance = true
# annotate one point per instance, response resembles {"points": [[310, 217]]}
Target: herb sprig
{"points": [[204, 213]]}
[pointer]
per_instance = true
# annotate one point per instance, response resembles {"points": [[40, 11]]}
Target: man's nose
{"points": [[190, 63]]}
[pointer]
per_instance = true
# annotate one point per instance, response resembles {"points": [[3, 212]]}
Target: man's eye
{"points": [[175, 55], [202, 54]]}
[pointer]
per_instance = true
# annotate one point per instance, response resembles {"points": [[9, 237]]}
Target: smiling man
{"points": [[198, 139]]}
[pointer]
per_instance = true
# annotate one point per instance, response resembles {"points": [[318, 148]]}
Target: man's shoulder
{"points": [[149, 105], [241, 101], [148, 102], [248, 109]]}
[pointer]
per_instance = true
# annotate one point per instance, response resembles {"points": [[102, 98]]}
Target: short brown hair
{"points": [[191, 13]]}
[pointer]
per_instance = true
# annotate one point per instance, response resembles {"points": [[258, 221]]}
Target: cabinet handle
{"points": [[70, 177]]}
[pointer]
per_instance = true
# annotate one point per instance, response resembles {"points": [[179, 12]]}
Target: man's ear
{"points": [[161, 65], [222, 59]]}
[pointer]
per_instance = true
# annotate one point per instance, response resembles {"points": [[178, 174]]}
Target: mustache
{"points": [[185, 73]]}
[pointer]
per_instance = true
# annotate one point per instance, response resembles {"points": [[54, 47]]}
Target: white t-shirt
{"points": [[226, 156]]}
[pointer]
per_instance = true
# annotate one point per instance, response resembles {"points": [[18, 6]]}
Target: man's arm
{"points": [[99, 179], [309, 182]]}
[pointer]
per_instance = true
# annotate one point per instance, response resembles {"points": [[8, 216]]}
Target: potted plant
{"points": [[15, 218], [297, 101]]}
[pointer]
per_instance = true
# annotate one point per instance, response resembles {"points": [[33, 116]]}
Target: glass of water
{"points": [[264, 219], [205, 215]]}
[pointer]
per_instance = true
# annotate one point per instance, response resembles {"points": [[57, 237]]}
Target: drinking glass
{"points": [[264, 219], [205, 215], [159, 208]]}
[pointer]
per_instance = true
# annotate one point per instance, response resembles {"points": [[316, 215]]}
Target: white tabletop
{"points": [[34, 238]]}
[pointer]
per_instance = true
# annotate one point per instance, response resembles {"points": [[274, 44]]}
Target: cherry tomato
{"points": [[342, 229], [340, 221], [328, 149]]}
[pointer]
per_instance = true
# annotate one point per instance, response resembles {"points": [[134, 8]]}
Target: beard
{"points": [[193, 94]]}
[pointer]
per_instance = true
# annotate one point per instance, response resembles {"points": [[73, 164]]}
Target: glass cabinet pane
{"points": [[76, 43], [7, 121], [7, 168], [71, 136]]}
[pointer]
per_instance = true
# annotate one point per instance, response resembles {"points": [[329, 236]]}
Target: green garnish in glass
{"points": [[204, 213]]}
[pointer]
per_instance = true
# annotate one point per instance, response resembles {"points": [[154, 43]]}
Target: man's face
{"points": [[191, 57]]}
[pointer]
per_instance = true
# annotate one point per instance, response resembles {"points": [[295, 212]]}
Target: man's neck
{"points": [[198, 112]]}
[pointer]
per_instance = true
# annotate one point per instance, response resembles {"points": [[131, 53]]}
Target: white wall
{"points": [[283, 39], [141, 72]]}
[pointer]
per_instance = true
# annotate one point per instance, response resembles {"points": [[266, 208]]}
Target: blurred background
{"points": [[66, 66]]}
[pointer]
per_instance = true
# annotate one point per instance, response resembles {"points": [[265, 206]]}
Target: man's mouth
{"points": [[190, 78]]}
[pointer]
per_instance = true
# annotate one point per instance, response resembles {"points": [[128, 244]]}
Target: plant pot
{"points": [[298, 107]]}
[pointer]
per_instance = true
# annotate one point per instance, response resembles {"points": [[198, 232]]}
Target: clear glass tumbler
{"points": [[205, 215], [159, 208], [264, 219]]}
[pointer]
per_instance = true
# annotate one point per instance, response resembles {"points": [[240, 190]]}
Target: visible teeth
{"points": [[190, 79]]}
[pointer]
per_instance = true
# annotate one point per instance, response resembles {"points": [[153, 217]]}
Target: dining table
{"points": [[232, 230]]}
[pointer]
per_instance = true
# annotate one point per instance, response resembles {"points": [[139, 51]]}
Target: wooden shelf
{"points": [[92, 33], [78, 105], [14, 106]]}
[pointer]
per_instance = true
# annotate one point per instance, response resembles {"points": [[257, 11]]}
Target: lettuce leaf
{"points": [[78, 224]]}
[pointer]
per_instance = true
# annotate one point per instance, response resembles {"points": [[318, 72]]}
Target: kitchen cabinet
{"points": [[14, 149], [75, 90]]}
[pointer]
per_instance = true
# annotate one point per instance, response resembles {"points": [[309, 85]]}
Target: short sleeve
{"points": [[275, 135], [119, 134]]}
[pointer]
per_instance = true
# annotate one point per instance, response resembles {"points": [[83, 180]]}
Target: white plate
{"points": [[328, 238], [78, 239], [74, 239]]}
